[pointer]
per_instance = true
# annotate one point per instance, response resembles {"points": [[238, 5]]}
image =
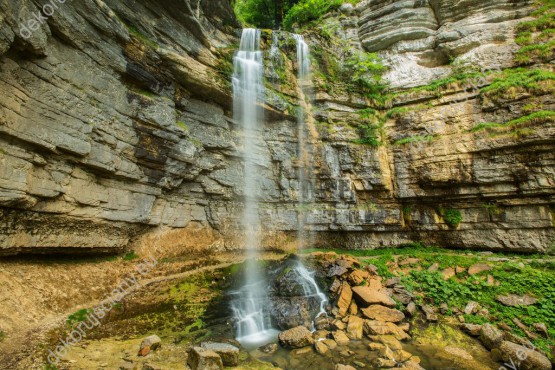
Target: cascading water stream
{"points": [[305, 167], [305, 170], [250, 303]]}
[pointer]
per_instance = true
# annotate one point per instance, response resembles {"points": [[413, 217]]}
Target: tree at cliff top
{"points": [[263, 13], [283, 13]]}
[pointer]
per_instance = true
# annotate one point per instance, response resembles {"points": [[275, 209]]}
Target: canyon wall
{"points": [[116, 131]]}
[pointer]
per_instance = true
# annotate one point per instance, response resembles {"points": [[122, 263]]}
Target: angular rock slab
{"points": [[367, 296], [381, 313]]}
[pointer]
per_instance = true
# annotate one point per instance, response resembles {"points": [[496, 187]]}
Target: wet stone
{"points": [[296, 338], [228, 353]]}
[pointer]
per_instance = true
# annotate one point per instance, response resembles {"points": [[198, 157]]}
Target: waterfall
{"points": [[304, 148], [306, 169], [250, 303], [310, 288]]}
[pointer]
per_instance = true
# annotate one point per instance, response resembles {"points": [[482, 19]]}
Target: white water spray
{"points": [[250, 304]]}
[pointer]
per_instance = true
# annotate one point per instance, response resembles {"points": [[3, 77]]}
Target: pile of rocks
{"points": [[509, 348], [364, 306]]}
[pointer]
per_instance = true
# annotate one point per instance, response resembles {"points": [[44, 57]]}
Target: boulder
{"points": [[367, 296], [541, 328], [335, 286], [472, 329], [290, 312], [471, 308], [354, 327], [227, 352], [358, 276], [387, 340], [374, 327], [525, 358], [320, 334], [339, 325], [375, 283], [149, 344], [448, 273], [389, 283], [513, 300], [411, 309], [401, 294], [478, 268], [322, 322], [353, 309], [296, 338], [490, 336], [381, 313], [344, 300], [430, 313], [340, 338], [330, 343], [201, 359], [321, 347]]}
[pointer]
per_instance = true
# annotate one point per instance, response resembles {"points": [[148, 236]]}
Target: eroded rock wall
{"points": [[112, 120]]}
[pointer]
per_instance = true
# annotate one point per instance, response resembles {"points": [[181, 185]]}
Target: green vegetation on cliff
{"points": [[537, 36], [283, 13]]}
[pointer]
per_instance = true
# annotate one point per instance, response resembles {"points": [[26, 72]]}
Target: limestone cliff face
{"points": [[116, 130], [430, 159], [111, 120], [420, 38]]}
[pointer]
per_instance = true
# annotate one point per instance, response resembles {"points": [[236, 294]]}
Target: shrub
{"points": [[130, 256], [78, 316], [452, 217], [367, 70]]}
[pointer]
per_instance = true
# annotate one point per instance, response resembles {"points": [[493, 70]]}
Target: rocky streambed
{"points": [[383, 311]]}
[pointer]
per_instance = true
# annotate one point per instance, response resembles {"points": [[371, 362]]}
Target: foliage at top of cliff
{"points": [[286, 14]]}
